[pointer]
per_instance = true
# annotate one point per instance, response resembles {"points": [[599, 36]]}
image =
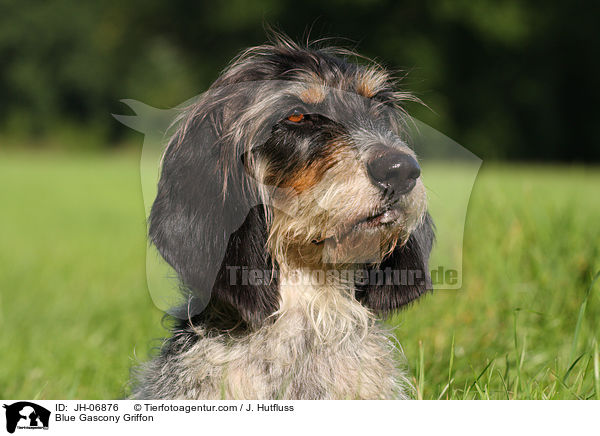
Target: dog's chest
{"points": [[333, 366], [323, 344]]}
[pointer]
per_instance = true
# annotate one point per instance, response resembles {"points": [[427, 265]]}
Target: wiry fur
{"points": [[242, 187], [323, 344]]}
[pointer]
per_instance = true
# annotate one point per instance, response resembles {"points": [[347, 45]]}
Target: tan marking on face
{"points": [[313, 95], [304, 179], [310, 176], [370, 82]]}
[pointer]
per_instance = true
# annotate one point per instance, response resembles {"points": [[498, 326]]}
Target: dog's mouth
{"points": [[383, 218]]}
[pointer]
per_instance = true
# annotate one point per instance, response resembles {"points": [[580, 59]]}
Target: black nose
{"points": [[392, 170]]}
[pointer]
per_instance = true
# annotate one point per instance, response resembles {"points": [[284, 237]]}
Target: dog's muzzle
{"points": [[393, 171]]}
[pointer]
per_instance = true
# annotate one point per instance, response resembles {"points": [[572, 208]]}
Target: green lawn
{"points": [[75, 311]]}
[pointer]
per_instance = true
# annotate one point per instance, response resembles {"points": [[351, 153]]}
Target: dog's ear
{"points": [[403, 276], [207, 223]]}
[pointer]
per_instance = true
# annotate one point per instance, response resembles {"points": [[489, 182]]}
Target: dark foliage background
{"points": [[506, 79]]}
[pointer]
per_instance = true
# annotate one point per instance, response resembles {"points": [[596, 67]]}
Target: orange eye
{"points": [[296, 117]]}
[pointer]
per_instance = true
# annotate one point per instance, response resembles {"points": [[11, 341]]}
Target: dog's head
{"points": [[294, 158]]}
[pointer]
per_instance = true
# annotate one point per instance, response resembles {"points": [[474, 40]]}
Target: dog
{"points": [[295, 216]]}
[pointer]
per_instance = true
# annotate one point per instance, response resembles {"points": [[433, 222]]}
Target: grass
{"points": [[74, 306], [75, 312], [526, 323]]}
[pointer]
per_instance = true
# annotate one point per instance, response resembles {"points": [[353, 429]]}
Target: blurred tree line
{"points": [[506, 79]]}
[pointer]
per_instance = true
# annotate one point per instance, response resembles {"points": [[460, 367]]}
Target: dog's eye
{"points": [[295, 117]]}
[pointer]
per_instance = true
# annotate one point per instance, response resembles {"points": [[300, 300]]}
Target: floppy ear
{"points": [[206, 223], [403, 276]]}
